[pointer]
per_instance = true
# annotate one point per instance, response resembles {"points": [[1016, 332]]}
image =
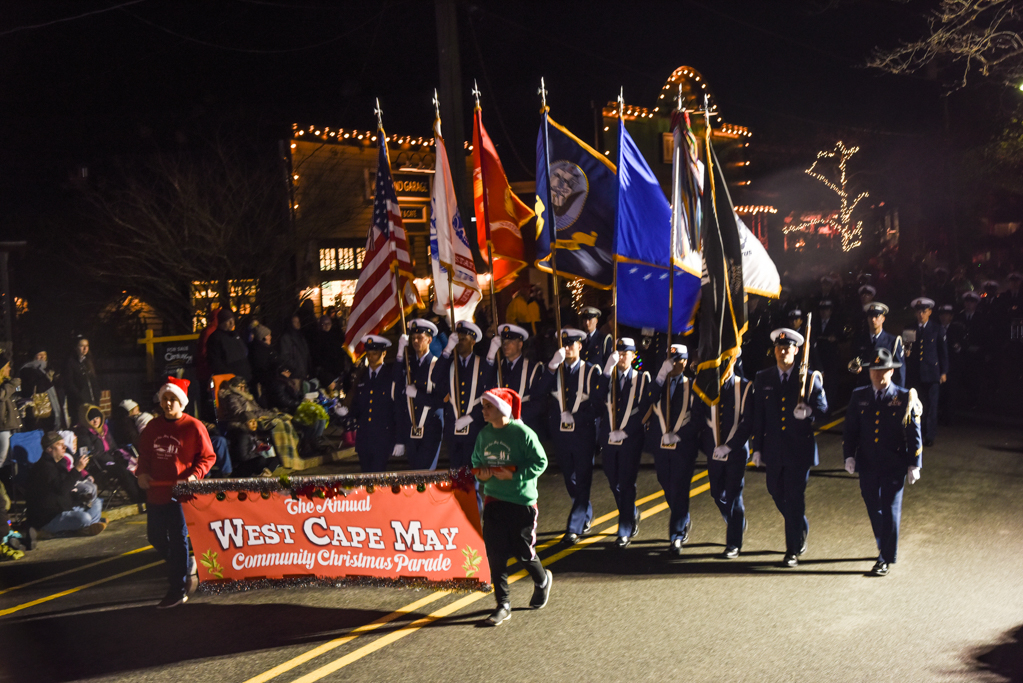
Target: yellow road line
{"points": [[69, 591], [76, 569], [831, 424]]}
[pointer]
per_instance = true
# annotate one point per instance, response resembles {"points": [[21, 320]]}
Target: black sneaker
{"points": [[790, 561], [731, 552], [684, 538], [676, 547], [569, 538], [500, 615], [542, 594], [622, 542], [173, 599], [587, 527], [880, 568]]}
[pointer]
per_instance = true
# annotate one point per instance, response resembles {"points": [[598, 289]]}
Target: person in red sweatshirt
{"points": [[172, 448]]}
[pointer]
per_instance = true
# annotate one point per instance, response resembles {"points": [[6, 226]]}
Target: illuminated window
{"points": [[328, 259], [338, 292], [344, 258], [242, 295]]}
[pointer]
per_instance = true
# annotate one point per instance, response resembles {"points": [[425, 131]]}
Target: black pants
{"points": [[509, 530]]}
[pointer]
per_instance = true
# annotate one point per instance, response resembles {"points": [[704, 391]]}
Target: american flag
{"points": [[375, 305]]}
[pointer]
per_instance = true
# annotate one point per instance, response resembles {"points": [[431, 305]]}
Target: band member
{"points": [[671, 437], [466, 376], [517, 372], [874, 337], [572, 414], [597, 346], [783, 436], [882, 441], [620, 434], [371, 405], [927, 365], [723, 433], [419, 428]]}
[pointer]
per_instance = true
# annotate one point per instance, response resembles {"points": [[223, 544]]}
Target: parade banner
{"points": [[424, 534]]}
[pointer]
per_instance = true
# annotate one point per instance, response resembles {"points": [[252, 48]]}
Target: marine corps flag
{"points": [[500, 214], [722, 296], [577, 188]]}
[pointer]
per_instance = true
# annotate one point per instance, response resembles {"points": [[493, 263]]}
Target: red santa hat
{"points": [[178, 387], [505, 400]]}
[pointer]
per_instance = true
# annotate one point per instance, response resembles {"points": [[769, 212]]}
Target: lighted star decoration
{"points": [[852, 235]]}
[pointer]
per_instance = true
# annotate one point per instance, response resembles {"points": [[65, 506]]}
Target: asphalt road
{"points": [[951, 610]]}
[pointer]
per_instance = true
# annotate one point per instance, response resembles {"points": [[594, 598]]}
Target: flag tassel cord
{"points": [[713, 199], [486, 225]]}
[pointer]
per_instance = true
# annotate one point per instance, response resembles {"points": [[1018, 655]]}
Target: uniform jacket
{"points": [[780, 437], [864, 349], [374, 404], [928, 358], [679, 417], [629, 414], [584, 406], [735, 413], [976, 335], [597, 348], [431, 387], [475, 376], [521, 377], [883, 436]]}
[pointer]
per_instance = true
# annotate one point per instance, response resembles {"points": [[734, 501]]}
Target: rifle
{"points": [[804, 367]]}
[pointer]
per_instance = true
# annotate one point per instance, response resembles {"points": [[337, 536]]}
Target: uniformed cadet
{"points": [[882, 441], [463, 413], [371, 404], [671, 437], [572, 423], [828, 334], [970, 344], [419, 435], [729, 424], [517, 372], [927, 365], [874, 337], [597, 346], [783, 438], [954, 334], [625, 394]]}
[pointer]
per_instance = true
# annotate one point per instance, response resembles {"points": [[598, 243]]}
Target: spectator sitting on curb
{"points": [[52, 508]]}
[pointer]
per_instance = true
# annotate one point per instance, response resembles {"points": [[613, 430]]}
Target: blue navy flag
{"points": [[583, 191], [643, 248]]}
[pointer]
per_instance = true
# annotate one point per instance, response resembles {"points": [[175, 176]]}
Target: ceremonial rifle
{"points": [[804, 367]]}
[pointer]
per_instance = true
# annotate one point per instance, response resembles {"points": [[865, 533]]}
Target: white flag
{"points": [[449, 245], [759, 274]]}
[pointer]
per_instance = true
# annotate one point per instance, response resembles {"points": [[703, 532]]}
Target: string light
{"points": [[840, 222], [751, 209], [576, 288]]}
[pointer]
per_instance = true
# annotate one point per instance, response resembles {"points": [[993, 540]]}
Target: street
{"points": [[951, 609]]}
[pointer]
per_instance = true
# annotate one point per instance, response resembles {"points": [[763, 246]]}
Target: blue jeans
{"points": [[76, 518], [220, 448], [165, 527]]}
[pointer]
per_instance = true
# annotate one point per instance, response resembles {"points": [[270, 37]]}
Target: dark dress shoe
{"points": [[676, 547], [622, 542], [731, 552], [790, 561], [570, 539], [880, 568]]}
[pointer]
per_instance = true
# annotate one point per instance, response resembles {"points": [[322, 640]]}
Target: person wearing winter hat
{"points": [[226, 351], [173, 447], [510, 460]]}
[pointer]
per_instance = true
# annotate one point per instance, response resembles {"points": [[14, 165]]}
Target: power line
{"points": [[77, 16]]}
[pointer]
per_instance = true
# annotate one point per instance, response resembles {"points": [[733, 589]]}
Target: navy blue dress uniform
{"points": [[463, 411], [828, 334], [883, 442], [419, 436], [729, 423], [573, 427], [970, 345], [783, 440], [671, 438], [520, 374], [927, 366], [372, 407], [866, 343], [597, 346], [620, 435]]}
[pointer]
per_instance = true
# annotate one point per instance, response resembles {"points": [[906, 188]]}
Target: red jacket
{"points": [[172, 450]]}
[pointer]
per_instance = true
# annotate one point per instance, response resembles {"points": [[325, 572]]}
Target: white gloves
{"points": [[340, 410], [612, 361], [913, 475], [495, 344], [463, 422], [567, 418], [617, 436], [399, 450], [721, 452], [666, 368], [801, 411], [402, 343], [757, 461], [670, 439], [452, 342], [850, 465], [557, 359], [411, 391]]}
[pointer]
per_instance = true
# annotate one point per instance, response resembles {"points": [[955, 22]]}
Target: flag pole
{"points": [[676, 207], [397, 281], [554, 232], [614, 275], [486, 223], [713, 200], [456, 361]]}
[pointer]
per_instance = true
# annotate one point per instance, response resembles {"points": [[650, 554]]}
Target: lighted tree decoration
{"points": [[852, 235]]}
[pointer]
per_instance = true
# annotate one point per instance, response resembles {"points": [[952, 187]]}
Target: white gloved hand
{"points": [[399, 450], [666, 368], [452, 342], [340, 410], [757, 461], [801, 411], [721, 452], [850, 465], [617, 436], [612, 361], [670, 439], [913, 475], [402, 343], [411, 391], [567, 418], [557, 359], [463, 422], [495, 344]]}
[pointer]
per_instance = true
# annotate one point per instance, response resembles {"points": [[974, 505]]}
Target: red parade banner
{"points": [[399, 534]]}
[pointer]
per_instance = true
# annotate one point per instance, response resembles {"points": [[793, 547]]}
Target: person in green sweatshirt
{"points": [[509, 459]]}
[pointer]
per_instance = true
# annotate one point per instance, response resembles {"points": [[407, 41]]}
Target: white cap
{"points": [[512, 330], [470, 327], [422, 325], [786, 334], [867, 289], [374, 342], [128, 404], [922, 302]]}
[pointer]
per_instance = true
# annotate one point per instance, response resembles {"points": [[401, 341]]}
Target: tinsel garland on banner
{"points": [[329, 485], [460, 586]]}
